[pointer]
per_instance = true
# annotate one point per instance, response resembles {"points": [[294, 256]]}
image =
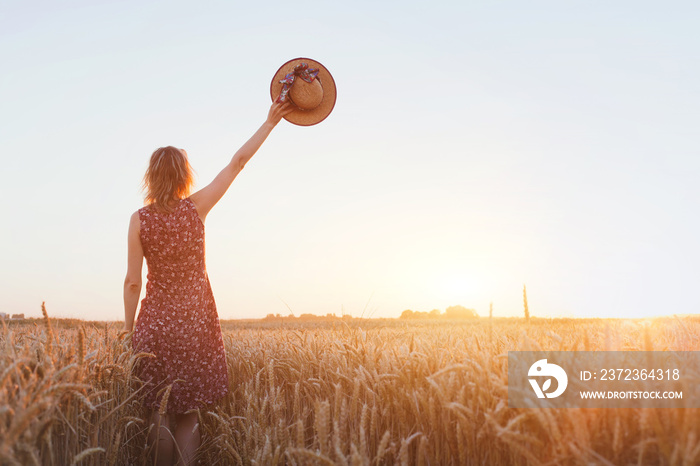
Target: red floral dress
{"points": [[178, 321]]}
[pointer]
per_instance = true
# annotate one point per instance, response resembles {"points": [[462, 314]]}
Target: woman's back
{"points": [[178, 321], [173, 243]]}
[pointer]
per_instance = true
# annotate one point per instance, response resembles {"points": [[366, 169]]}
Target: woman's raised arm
{"points": [[207, 197]]}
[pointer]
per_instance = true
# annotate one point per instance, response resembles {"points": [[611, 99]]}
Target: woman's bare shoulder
{"points": [[195, 200], [135, 219]]}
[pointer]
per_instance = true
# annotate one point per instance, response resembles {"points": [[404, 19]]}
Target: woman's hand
{"points": [[278, 110]]}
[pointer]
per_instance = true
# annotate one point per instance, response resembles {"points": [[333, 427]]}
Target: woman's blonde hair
{"points": [[169, 177]]}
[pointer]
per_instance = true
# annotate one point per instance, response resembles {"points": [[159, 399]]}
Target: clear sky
{"points": [[474, 147]]}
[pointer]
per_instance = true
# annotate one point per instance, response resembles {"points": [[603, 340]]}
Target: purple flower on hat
{"points": [[303, 71]]}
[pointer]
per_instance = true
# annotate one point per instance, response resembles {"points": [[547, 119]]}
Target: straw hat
{"points": [[309, 86]]}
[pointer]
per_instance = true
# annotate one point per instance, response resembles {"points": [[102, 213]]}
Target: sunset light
{"points": [[460, 288], [367, 232]]}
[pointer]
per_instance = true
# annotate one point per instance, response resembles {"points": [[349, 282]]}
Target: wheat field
{"points": [[362, 392]]}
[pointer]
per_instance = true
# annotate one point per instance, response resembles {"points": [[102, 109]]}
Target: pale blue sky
{"points": [[474, 147]]}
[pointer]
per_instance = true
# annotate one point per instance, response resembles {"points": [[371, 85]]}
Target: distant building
{"points": [[18, 316], [3, 315]]}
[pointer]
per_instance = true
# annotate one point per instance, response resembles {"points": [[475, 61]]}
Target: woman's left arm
{"points": [[132, 282]]}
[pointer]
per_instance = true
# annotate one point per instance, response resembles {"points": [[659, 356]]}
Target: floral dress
{"points": [[178, 322]]}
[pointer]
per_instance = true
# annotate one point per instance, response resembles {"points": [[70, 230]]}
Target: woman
{"points": [[178, 321]]}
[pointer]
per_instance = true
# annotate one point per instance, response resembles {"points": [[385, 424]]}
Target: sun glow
{"points": [[458, 286]]}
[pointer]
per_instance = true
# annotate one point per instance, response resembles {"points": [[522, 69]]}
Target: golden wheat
{"points": [[369, 393]]}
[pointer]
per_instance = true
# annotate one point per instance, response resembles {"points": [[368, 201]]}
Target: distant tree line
{"points": [[306, 317], [452, 312]]}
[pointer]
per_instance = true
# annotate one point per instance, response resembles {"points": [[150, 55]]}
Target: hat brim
{"points": [[307, 117]]}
